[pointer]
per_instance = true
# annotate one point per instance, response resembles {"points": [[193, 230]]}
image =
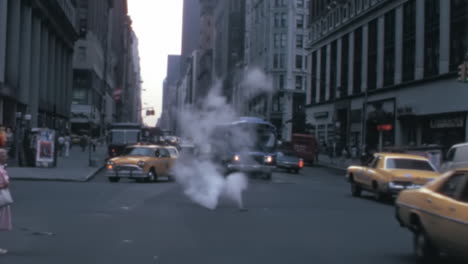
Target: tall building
{"points": [[276, 43], [169, 115], [36, 55], [106, 68], [190, 31], [90, 63], [388, 63], [228, 47]]}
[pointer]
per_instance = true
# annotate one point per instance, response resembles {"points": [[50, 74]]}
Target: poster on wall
{"points": [[45, 147]]}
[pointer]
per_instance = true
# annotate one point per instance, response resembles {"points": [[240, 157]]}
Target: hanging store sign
{"points": [[447, 122]]}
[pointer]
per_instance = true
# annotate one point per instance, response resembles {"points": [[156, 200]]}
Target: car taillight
{"points": [[110, 166], [301, 163]]}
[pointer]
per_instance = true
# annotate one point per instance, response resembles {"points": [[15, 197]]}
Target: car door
{"points": [[457, 213], [165, 161], [361, 176], [158, 164], [371, 172], [440, 211]]}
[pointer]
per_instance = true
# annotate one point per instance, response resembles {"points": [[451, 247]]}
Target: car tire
{"points": [[114, 179], [296, 171], [267, 176], [424, 250], [151, 176], [355, 190]]}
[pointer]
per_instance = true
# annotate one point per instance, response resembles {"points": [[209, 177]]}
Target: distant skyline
{"points": [[158, 26]]}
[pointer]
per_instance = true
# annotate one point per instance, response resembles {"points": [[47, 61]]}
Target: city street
{"points": [[306, 218]]}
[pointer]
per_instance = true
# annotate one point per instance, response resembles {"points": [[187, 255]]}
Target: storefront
{"points": [[443, 129]]}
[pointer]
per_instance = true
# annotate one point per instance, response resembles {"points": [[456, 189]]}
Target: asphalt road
{"points": [[306, 218]]}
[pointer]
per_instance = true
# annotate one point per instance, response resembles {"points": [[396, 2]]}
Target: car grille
{"points": [[126, 168], [403, 183]]}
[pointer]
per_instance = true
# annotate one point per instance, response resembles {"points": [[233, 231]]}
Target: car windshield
{"points": [[409, 164], [138, 151]]}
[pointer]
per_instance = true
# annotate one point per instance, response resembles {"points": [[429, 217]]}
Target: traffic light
{"points": [[463, 72]]}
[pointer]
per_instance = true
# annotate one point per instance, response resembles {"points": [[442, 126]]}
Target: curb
{"points": [[331, 166], [93, 174]]}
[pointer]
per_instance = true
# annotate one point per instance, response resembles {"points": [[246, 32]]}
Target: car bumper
{"points": [[288, 165], [396, 189], [251, 168], [125, 174]]}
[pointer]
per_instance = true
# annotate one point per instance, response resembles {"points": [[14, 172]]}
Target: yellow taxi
{"points": [[437, 214], [142, 162], [389, 173]]}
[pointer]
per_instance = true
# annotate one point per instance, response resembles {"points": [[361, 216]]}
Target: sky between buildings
{"points": [[158, 26]]}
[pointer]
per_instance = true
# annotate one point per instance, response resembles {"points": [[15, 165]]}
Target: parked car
{"points": [[289, 161], [142, 162], [437, 214], [457, 157], [389, 173]]}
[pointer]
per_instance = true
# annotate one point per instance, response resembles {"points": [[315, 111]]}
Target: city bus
{"points": [[246, 145]]}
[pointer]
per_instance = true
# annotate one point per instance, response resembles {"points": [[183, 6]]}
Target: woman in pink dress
{"points": [[5, 213]]}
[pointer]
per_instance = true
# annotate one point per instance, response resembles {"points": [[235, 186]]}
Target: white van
{"points": [[457, 157]]}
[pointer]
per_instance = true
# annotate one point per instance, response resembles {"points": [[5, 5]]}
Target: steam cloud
{"points": [[200, 178]]}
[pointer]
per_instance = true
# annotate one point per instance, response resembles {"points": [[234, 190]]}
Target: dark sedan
{"points": [[289, 161]]}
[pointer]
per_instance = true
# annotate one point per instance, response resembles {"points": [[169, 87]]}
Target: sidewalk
{"points": [[74, 168], [339, 163]]}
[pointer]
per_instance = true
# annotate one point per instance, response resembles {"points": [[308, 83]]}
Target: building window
{"points": [[277, 3], [81, 53], [283, 40], [282, 60], [276, 40], [275, 61], [389, 49], [283, 19], [313, 78], [281, 81], [323, 73], [372, 56], [298, 61], [431, 38], [409, 40], [299, 82], [458, 31], [357, 61], [299, 41], [300, 3], [344, 65], [277, 19], [333, 70], [300, 21]]}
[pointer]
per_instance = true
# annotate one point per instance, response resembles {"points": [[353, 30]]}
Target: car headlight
{"points": [[268, 159], [236, 158], [141, 164]]}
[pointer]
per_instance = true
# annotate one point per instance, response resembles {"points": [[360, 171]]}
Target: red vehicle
{"points": [[305, 147]]}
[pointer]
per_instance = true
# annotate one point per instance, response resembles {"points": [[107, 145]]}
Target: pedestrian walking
{"points": [[94, 143], [61, 144], [67, 145], [9, 141], [83, 142], [5, 213]]}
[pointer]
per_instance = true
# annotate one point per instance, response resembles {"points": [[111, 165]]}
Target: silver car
{"points": [[287, 160]]}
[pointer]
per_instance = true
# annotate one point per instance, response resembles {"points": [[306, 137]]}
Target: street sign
{"points": [[385, 127]]}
